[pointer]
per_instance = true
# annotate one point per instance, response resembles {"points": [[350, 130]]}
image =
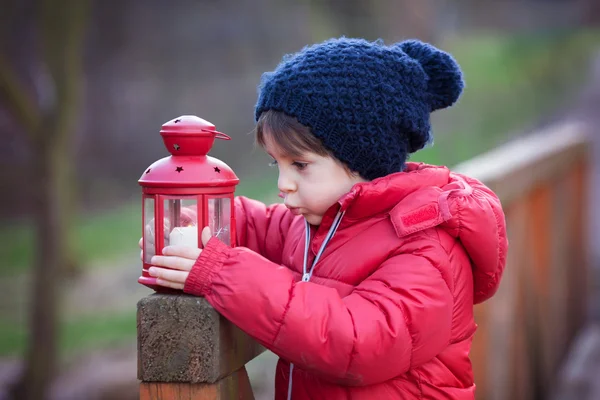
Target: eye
{"points": [[273, 163], [299, 165]]}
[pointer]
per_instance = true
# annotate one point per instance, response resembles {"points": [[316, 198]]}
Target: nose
{"points": [[285, 184]]}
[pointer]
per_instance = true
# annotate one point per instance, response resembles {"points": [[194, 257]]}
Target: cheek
{"points": [[321, 196]]}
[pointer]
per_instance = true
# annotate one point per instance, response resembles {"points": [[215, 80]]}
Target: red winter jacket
{"points": [[388, 312]]}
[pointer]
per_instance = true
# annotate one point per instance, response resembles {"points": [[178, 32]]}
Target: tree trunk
{"points": [[40, 360], [61, 29]]}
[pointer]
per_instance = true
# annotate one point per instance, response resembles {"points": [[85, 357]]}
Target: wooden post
{"points": [[187, 350]]}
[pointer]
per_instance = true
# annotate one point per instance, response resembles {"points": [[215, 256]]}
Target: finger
{"points": [[141, 243], [170, 275], [167, 229], [169, 284], [188, 216], [183, 264], [149, 235], [182, 251], [206, 235]]}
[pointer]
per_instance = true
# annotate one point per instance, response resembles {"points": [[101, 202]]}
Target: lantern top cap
{"points": [[189, 135], [189, 139], [191, 124]]}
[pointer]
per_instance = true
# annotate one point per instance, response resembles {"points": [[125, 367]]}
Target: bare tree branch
{"points": [[15, 96]]}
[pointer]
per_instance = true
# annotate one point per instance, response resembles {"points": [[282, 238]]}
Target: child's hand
{"points": [[187, 217], [178, 261]]}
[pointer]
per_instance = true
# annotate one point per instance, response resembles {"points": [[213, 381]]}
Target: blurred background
{"points": [[85, 86]]}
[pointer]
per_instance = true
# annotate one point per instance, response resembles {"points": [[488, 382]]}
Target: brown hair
{"points": [[293, 138], [288, 134]]}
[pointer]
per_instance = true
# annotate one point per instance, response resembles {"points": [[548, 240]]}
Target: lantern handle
{"points": [[221, 135]]}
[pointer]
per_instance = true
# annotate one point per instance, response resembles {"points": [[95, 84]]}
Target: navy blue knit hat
{"points": [[368, 103]]}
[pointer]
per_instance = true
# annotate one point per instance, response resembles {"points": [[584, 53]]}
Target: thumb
{"points": [[206, 235]]}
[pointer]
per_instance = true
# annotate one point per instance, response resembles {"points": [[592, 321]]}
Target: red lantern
{"points": [[186, 191]]}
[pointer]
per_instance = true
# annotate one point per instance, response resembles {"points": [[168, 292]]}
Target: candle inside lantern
{"points": [[184, 236]]}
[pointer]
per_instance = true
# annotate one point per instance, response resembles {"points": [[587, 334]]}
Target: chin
{"points": [[313, 219]]}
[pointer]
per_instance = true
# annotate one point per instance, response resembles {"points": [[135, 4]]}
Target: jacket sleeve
{"points": [[257, 224], [397, 319]]}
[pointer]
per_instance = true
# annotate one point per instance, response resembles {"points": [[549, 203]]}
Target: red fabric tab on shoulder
{"points": [[419, 216], [416, 220]]}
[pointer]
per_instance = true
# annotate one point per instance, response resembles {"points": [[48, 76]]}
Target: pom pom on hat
{"points": [[369, 103], [444, 78]]}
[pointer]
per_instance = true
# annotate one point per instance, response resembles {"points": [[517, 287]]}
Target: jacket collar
{"points": [[381, 195]]}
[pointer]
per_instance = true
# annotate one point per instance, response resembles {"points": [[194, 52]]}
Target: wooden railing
{"points": [[525, 329], [186, 350]]}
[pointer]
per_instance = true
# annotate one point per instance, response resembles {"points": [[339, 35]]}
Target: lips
{"points": [[294, 210]]}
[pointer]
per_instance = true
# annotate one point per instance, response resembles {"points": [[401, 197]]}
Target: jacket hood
{"points": [[425, 196]]}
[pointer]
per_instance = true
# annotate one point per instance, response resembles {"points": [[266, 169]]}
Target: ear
{"points": [[206, 235]]}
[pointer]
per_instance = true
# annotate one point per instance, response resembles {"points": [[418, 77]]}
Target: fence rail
{"points": [[524, 331], [186, 350]]}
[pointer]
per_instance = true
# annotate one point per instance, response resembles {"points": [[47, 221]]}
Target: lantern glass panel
{"points": [[219, 218], [149, 229], [181, 221]]}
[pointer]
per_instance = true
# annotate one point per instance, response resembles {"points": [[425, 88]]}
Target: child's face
{"points": [[310, 183]]}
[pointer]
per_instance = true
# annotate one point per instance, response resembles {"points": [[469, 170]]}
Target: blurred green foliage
{"points": [[89, 331], [511, 82], [99, 236]]}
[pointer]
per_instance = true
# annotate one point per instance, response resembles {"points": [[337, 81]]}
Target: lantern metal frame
{"points": [[189, 173]]}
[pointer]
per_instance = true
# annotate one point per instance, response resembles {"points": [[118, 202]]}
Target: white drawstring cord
{"points": [[307, 275], [290, 382]]}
